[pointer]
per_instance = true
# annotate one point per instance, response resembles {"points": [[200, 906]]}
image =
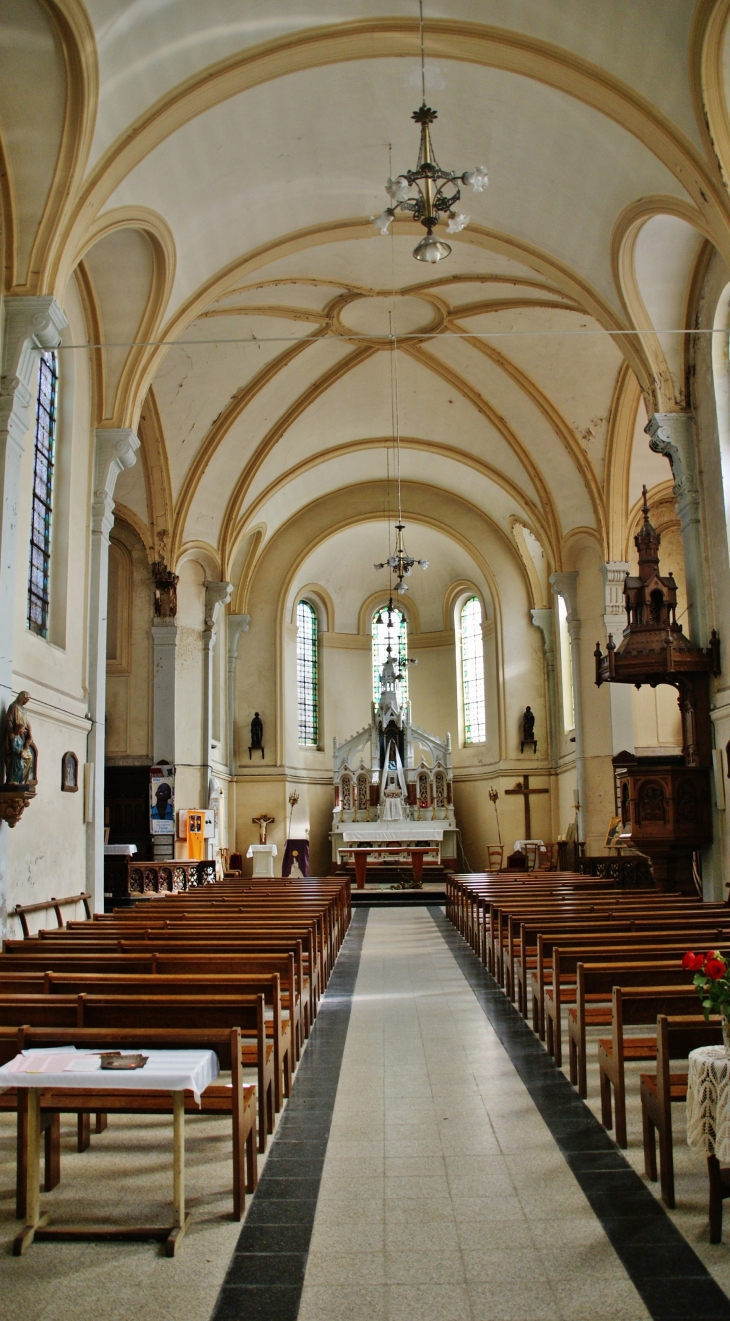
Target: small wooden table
{"points": [[174, 1071], [417, 855]]}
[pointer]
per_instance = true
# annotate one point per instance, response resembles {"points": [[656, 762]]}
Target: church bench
{"points": [[461, 897], [245, 1012], [21, 911], [673, 939], [593, 996], [676, 1037], [637, 1007], [213, 986], [236, 1098]]}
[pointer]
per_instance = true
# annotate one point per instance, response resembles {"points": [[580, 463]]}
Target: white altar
{"points": [[393, 781], [263, 858]]}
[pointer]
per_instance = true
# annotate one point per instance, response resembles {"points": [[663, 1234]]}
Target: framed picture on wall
{"points": [[69, 773]]}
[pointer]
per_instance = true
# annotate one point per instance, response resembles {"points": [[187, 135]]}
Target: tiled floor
{"points": [[443, 1195]]}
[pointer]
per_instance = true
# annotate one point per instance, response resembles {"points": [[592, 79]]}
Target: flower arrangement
{"points": [[712, 979]]}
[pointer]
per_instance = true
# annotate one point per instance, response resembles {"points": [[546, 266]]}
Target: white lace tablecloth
{"points": [[165, 1071], [708, 1102]]}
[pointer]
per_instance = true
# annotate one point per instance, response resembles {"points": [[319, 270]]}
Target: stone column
{"points": [[237, 624], [619, 694], [164, 657], [29, 325], [116, 449], [543, 619], [672, 434], [566, 585], [216, 595]]}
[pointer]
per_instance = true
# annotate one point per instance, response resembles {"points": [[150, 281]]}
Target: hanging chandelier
{"points": [[437, 191], [400, 562]]}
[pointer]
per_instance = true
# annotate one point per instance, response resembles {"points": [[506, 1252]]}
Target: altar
{"points": [[393, 788]]}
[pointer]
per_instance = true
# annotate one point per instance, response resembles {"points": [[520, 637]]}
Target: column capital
{"points": [[614, 577], [29, 325], [116, 449], [237, 624], [543, 619], [216, 595], [672, 434], [566, 585]]}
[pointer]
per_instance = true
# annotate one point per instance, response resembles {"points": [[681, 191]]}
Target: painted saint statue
{"points": [[20, 750]]}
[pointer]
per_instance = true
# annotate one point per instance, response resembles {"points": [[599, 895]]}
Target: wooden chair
{"points": [[676, 1037], [532, 853], [495, 857], [639, 1006]]}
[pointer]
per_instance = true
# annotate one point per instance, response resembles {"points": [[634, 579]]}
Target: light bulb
{"points": [[476, 179], [383, 221], [431, 250], [424, 563], [457, 222], [397, 188]]}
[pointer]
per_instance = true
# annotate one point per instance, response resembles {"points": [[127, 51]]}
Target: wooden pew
{"points": [[21, 911], [639, 1006], [676, 1037], [238, 1100]]}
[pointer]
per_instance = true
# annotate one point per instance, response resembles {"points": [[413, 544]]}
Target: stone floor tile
{"points": [[443, 1302]]}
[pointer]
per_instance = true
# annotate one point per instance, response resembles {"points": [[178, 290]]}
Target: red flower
{"points": [[693, 962], [715, 967]]}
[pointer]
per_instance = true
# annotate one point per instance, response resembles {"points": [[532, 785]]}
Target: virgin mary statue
{"points": [[20, 750]]}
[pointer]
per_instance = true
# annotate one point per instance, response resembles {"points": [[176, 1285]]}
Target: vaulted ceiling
{"points": [[207, 172]]}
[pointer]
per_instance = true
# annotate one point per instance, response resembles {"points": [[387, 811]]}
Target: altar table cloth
{"points": [[708, 1102], [165, 1071]]}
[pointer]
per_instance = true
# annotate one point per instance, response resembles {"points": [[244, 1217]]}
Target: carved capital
{"points": [[216, 595], [116, 449], [543, 619], [30, 324], [614, 577], [237, 624], [672, 434]]}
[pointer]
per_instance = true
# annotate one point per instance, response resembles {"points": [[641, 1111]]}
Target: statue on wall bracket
{"points": [[21, 762]]}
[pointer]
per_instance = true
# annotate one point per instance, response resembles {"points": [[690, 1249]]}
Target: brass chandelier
{"points": [[432, 201]]}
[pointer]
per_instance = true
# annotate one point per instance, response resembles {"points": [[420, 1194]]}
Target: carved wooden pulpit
{"points": [[664, 801]]}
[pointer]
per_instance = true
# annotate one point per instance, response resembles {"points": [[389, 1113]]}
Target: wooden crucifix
{"points": [[263, 822], [523, 787]]}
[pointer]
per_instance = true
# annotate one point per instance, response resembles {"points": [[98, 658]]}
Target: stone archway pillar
{"points": [[116, 449], [566, 585]]}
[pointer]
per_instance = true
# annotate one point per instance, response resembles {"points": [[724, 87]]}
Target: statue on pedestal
{"points": [[21, 760], [528, 729], [257, 735]]}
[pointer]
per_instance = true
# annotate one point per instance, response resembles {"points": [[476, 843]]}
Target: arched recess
{"points": [[129, 266], [621, 428], [63, 116], [655, 239], [129, 649], [319, 597]]}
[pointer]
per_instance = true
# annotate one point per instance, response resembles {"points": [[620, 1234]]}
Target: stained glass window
{"points": [[472, 671], [397, 637], [40, 529], [307, 694]]}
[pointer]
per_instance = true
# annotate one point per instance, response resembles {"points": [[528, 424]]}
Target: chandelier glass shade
{"points": [[436, 194]]}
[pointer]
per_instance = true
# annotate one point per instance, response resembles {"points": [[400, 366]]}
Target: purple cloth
{"points": [[301, 848]]}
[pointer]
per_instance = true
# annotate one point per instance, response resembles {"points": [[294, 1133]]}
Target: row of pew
{"points": [[238, 968], [572, 952]]}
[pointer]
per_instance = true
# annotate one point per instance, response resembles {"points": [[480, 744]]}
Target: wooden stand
{"points": [[37, 1226]]}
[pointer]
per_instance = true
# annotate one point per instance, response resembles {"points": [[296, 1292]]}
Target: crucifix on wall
{"points": [[523, 788], [263, 822]]}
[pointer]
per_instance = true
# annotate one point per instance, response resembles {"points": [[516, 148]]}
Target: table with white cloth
{"points": [[708, 1122], [174, 1071]]}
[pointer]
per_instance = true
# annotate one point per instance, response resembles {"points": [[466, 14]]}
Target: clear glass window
{"points": [[472, 671], [307, 689], [397, 638], [40, 528]]}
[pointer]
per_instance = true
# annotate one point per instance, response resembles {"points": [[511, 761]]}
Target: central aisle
{"points": [[443, 1194]]}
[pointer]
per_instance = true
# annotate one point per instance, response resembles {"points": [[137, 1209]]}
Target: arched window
{"points": [[395, 636], [566, 666], [40, 527], [472, 671], [307, 690]]}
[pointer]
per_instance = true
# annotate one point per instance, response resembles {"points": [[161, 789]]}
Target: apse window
{"points": [[472, 671], [307, 690], [390, 630], [40, 530]]}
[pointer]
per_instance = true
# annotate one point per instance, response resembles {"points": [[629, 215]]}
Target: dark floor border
{"points": [[264, 1280], [672, 1281]]}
